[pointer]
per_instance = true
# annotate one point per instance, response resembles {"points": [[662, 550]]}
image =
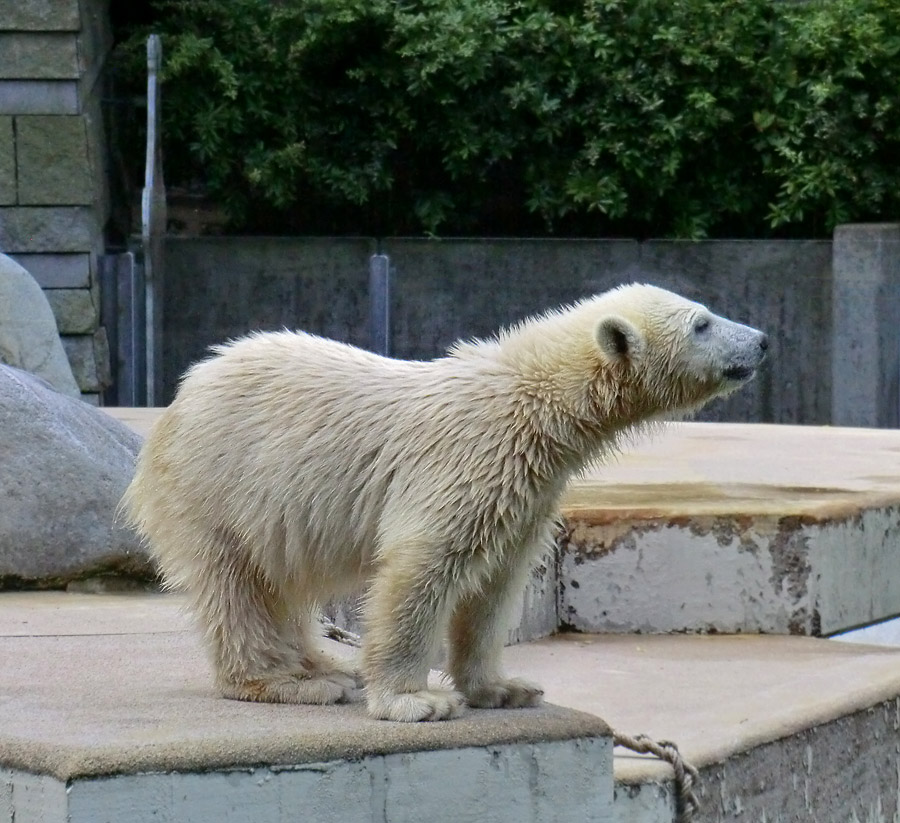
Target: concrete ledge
{"points": [[722, 527], [108, 714], [716, 696], [566, 781], [782, 728]]}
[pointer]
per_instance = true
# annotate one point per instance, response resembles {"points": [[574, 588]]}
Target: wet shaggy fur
{"points": [[291, 469]]}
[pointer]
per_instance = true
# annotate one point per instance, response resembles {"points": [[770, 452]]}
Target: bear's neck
{"points": [[573, 414]]}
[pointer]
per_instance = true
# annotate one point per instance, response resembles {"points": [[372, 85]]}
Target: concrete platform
{"points": [[715, 528], [106, 713]]}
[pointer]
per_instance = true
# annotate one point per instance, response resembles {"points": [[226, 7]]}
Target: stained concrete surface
{"points": [[107, 713], [768, 528], [568, 781], [783, 729], [715, 695]]}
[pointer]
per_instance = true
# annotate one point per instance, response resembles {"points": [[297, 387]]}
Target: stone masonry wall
{"points": [[54, 201]]}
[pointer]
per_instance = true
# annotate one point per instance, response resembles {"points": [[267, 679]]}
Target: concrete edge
{"points": [[847, 507], [632, 768], [477, 728]]}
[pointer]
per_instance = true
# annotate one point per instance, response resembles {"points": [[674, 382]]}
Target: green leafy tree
{"points": [[685, 118]]}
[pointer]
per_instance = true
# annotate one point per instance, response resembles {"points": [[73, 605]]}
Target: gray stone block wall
{"points": [[54, 201]]}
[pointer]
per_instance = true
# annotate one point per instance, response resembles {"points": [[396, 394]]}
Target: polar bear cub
{"points": [[291, 469]]}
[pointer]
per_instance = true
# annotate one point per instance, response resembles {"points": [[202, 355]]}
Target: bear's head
{"points": [[675, 354]]}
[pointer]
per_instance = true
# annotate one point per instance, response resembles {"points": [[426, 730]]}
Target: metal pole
{"points": [[153, 223], [380, 303]]}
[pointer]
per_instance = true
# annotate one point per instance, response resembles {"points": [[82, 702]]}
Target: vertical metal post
{"points": [[130, 319], [123, 316], [380, 303], [108, 270], [153, 226]]}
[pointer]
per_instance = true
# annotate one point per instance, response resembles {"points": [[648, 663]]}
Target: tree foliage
{"points": [[684, 118]]}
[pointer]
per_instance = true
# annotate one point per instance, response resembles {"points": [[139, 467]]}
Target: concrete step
{"points": [[781, 728], [737, 528], [107, 714]]}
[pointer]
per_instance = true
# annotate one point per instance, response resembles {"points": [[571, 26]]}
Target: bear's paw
{"points": [[412, 707], [320, 690], [514, 693]]}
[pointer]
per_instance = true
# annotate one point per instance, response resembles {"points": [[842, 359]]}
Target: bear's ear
{"points": [[618, 339]]}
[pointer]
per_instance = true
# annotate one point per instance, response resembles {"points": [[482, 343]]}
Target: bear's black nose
{"points": [[764, 342]]}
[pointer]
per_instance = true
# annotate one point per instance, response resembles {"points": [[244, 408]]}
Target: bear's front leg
{"points": [[477, 634], [407, 606]]}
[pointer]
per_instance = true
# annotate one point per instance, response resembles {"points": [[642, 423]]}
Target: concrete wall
{"points": [[53, 195], [866, 326], [442, 290]]}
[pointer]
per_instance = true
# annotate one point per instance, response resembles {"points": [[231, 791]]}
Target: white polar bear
{"points": [[290, 470]]}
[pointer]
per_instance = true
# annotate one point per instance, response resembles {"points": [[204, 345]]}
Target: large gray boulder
{"points": [[64, 466], [29, 338]]}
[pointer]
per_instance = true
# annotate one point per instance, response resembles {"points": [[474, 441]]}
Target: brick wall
{"points": [[54, 201]]}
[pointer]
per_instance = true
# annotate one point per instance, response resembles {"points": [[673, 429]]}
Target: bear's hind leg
{"points": [[303, 634], [244, 616]]}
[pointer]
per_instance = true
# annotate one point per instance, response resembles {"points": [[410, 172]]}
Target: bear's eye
{"points": [[701, 326]]}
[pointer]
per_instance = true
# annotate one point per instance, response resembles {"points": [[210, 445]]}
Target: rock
{"points": [[64, 468], [29, 338]]}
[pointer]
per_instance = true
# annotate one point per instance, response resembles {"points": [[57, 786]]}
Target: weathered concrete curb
{"points": [[555, 782]]}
